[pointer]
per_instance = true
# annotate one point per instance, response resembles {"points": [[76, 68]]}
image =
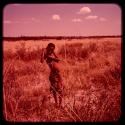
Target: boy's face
{"points": [[51, 49]]}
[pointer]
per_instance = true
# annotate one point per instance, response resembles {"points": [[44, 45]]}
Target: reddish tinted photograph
{"points": [[62, 62]]}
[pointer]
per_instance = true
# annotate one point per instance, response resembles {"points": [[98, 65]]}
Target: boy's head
{"points": [[50, 47]]}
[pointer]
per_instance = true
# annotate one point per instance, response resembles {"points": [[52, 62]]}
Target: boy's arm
{"points": [[55, 55], [54, 59]]}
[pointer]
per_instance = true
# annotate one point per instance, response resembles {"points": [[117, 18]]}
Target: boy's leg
{"points": [[55, 96], [60, 98], [60, 93]]}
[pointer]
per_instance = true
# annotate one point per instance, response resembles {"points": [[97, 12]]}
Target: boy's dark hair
{"points": [[51, 45]]}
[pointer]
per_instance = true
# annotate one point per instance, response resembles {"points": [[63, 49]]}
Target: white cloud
{"points": [[102, 19], [29, 20], [84, 10], [77, 20], [55, 17], [10, 22], [23, 20], [91, 17], [7, 21]]}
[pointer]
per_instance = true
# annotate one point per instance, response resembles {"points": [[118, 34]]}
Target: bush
{"points": [[77, 51], [74, 51], [21, 50], [26, 55]]}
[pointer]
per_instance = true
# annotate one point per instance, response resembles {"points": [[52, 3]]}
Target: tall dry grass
{"points": [[91, 73]]}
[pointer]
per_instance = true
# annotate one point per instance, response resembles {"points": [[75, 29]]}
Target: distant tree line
{"points": [[52, 37]]}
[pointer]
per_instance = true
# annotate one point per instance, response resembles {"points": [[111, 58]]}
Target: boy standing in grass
{"points": [[55, 79]]}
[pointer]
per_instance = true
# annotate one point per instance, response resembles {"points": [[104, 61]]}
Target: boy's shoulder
{"points": [[44, 50]]}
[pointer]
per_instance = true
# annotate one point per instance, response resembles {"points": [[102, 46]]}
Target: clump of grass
{"points": [[23, 53], [71, 51], [21, 50], [8, 55], [78, 51]]}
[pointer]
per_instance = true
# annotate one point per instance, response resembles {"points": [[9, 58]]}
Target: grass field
{"points": [[91, 72]]}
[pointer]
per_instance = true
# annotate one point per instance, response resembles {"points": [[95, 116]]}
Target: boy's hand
{"points": [[42, 60], [51, 89]]}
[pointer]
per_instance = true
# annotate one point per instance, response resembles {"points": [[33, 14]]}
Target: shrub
{"points": [[74, 51], [26, 55], [21, 50]]}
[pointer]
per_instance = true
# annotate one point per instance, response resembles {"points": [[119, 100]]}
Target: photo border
{"points": [[3, 3]]}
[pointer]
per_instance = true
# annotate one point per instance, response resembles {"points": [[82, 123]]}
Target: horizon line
{"points": [[59, 36]]}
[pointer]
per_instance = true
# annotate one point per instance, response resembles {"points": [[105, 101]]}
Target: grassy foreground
{"points": [[91, 72]]}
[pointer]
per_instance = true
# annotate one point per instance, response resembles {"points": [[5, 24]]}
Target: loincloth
{"points": [[56, 81]]}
